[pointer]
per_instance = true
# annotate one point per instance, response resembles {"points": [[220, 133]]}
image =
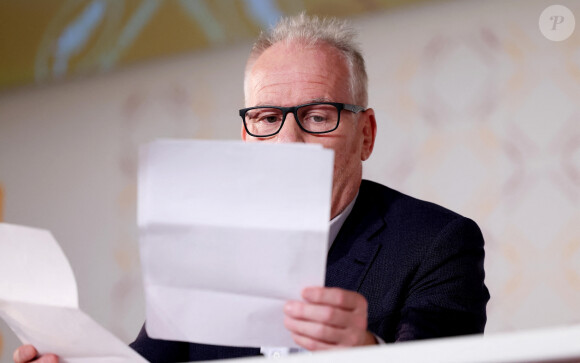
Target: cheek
{"points": [[343, 155], [248, 138], [348, 156]]}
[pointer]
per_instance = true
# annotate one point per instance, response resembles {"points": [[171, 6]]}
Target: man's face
{"points": [[293, 74]]}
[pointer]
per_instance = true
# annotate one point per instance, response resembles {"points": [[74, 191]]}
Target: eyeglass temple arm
{"points": [[353, 108]]}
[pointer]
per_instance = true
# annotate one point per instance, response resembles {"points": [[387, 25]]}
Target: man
{"points": [[398, 268]]}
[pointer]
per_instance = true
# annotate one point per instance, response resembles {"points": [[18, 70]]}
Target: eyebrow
{"points": [[312, 100], [320, 99]]}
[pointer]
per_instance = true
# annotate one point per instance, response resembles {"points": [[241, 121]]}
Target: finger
{"points": [[344, 299], [311, 344], [313, 330], [326, 314], [24, 353]]}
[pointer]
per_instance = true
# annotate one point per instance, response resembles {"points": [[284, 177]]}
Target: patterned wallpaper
{"points": [[476, 111], [1, 203]]}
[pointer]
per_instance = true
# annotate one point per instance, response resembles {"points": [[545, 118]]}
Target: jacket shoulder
{"points": [[394, 204]]}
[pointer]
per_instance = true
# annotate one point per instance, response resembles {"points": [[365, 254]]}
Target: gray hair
{"points": [[312, 30]]}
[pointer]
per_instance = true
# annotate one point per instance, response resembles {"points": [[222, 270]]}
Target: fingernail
{"points": [[290, 306], [307, 293], [28, 351]]}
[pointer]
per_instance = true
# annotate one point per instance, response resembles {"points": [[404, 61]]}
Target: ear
{"points": [[369, 133]]}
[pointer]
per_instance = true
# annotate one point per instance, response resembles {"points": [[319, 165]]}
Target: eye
{"points": [[264, 116], [316, 118], [270, 118]]}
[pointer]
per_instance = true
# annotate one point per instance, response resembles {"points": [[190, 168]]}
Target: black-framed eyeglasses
{"points": [[314, 118]]}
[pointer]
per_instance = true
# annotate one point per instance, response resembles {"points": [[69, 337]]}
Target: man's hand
{"points": [[330, 318], [27, 353]]}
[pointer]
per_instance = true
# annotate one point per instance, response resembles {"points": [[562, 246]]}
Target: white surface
{"points": [[546, 345], [38, 300], [34, 269], [229, 232]]}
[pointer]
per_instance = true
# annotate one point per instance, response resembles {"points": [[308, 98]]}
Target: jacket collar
{"points": [[355, 247]]}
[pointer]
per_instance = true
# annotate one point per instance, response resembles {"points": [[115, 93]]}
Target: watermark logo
{"points": [[557, 23]]}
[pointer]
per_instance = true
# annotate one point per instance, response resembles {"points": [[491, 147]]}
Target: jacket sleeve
{"points": [[447, 295], [165, 351], [159, 351]]}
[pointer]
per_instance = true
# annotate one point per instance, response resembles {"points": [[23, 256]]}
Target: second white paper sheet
{"points": [[39, 301], [229, 231]]}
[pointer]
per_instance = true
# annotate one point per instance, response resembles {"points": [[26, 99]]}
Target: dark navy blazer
{"points": [[419, 265]]}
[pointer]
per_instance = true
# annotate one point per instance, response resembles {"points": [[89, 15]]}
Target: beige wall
{"points": [[477, 111]]}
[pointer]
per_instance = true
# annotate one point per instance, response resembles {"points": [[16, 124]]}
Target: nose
{"points": [[291, 131]]}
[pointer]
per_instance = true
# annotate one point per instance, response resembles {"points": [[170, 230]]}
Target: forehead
{"points": [[293, 73]]}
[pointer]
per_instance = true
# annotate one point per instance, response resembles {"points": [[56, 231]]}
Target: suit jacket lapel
{"points": [[353, 250]]}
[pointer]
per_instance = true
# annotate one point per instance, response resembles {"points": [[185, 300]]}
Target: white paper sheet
{"points": [[39, 301], [229, 232]]}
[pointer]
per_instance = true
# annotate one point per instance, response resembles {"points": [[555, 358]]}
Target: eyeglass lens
{"points": [[313, 118]]}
